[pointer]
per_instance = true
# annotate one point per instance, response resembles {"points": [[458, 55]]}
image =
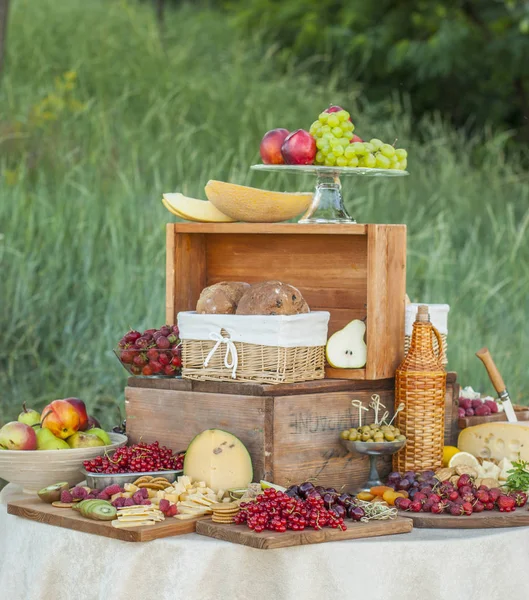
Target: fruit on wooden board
{"points": [[80, 407], [253, 205], [219, 459], [346, 349], [270, 147], [28, 416], [155, 352], [496, 440], [139, 458], [448, 453], [52, 493], [192, 209], [47, 441], [98, 510], [61, 418], [101, 434], [299, 148], [17, 436], [84, 440]]}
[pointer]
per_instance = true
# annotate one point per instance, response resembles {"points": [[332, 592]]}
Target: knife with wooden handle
{"points": [[498, 383]]}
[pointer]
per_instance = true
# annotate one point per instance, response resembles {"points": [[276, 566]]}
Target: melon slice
{"points": [[220, 459], [256, 206], [346, 349], [192, 209]]}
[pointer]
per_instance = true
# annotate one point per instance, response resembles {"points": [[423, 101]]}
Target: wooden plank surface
{"points": [[307, 439], [185, 272], [271, 228], [386, 293], [35, 510], [522, 413], [174, 418], [484, 520], [265, 540]]}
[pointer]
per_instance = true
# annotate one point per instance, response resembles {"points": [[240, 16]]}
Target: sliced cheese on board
{"points": [[496, 440], [219, 459]]}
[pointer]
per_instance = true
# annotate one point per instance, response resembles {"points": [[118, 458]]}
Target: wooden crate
{"points": [[291, 430], [353, 271]]}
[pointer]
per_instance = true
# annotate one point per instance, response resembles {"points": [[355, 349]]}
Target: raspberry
{"points": [[145, 502], [79, 493], [138, 497], [112, 489], [66, 497], [144, 492], [128, 502], [103, 496], [164, 505]]}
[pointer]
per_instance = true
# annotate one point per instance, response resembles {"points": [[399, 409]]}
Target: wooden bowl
{"points": [[34, 470]]}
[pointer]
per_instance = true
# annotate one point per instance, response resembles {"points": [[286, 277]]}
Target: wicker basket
{"points": [[231, 356], [420, 384], [439, 319]]}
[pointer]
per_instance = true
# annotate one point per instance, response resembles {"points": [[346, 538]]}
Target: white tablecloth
{"points": [[41, 562]]}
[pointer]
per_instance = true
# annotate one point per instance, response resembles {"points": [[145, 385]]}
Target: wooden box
{"points": [[353, 271], [291, 430]]}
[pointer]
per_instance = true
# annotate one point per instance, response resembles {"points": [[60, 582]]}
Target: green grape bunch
{"points": [[333, 133]]}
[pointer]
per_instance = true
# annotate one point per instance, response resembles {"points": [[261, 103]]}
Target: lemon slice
{"points": [[464, 458], [448, 453]]}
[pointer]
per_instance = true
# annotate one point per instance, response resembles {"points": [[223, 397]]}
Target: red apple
{"points": [[80, 407], [334, 108], [299, 148], [356, 138], [61, 418], [92, 423], [18, 436], [270, 147]]}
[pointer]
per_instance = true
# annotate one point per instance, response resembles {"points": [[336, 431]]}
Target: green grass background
{"points": [[82, 171]]}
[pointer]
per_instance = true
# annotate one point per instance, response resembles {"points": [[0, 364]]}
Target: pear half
{"points": [[346, 349]]}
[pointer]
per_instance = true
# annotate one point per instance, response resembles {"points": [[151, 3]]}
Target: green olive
{"points": [[365, 429], [366, 436], [353, 436], [370, 441], [345, 434], [390, 437], [396, 431], [401, 438]]}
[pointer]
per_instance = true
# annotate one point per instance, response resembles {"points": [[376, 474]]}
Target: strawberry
{"points": [[506, 503], [520, 498]]}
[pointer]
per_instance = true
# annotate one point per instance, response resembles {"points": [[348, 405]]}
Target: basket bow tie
{"points": [[231, 352]]}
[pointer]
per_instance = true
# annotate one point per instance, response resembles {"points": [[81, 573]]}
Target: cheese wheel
{"points": [[219, 459], [496, 440]]}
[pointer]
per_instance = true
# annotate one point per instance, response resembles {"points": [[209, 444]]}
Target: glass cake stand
{"points": [[327, 202]]}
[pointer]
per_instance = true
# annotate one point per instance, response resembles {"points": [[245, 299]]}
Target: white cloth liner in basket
{"points": [[286, 331]]}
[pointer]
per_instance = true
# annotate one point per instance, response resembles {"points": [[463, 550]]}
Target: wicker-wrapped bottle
{"points": [[420, 384]]}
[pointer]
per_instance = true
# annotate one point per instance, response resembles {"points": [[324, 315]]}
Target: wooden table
{"points": [[41, 562]]}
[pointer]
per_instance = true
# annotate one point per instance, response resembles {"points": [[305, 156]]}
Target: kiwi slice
{"points": [[52, 493], [99, 510]]}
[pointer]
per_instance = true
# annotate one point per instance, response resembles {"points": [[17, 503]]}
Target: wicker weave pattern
{"points": [[444, 347], [262, 364], [420, 384]]}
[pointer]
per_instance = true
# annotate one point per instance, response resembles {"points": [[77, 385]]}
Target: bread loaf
{"points": [[272, 298], [221, 298]]}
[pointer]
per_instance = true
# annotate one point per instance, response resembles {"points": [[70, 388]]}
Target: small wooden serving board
{"points": [[35, 510], [265, 540], [484, 520]]}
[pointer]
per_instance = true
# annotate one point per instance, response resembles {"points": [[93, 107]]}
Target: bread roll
{"points": [[221, 298], [272, 298]]}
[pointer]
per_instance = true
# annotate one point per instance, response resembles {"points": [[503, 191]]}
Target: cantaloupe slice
{"points": [[219, 459], [192, 209], [256, 206]]}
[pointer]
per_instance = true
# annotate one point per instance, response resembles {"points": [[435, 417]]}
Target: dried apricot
{"points": [[391, 496], [380, 490], [366, 496]]}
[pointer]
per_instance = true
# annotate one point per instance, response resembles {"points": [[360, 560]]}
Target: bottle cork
{"points": [[422, 313]]}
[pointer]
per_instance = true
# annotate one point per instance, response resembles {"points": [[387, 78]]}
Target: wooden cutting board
{"points": [[35, 510], [484, 520], [240, 534]]}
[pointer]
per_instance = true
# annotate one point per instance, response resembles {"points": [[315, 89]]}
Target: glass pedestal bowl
{"points": [[373, 450], [327, 202]]}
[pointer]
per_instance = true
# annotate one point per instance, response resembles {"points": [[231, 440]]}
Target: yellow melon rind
{"points": [[192, 209]]}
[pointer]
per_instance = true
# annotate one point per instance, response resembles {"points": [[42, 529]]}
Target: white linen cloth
{"points": [[42, 562], [286, 331]]}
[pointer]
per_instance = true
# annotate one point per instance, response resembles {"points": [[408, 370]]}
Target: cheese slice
{"points": [[185, 517], [219, 459], [123, 525], [496, 440]]}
